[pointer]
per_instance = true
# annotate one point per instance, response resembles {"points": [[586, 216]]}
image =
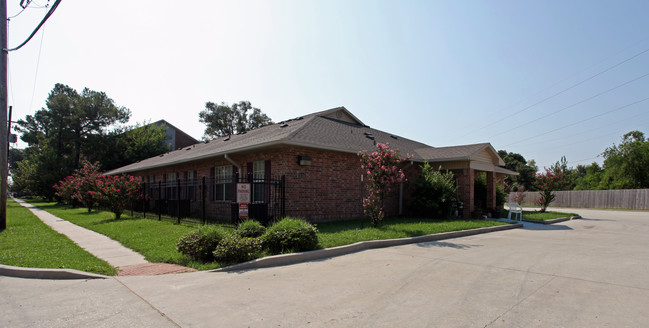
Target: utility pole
{"points": [[3, 114]]}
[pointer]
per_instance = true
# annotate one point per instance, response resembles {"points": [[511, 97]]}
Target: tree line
{"points": [[87, 126], [626, 166]]}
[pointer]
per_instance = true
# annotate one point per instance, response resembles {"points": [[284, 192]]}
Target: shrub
{"points": [[501, 196], [236, 249], [251, 229], [435, 193], [200, 244], [382, 171], [290, 235], [117, 191]]}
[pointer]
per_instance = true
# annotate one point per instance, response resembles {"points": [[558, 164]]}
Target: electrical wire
{"points": [[564, 90], [585, 159], [578, 122], [38, 64], [45, 18], [27, 6], [600, 127], [573, 105]]}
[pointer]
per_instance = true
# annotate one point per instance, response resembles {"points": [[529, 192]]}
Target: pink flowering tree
{"points": [[118, 191], [66, 188], [518, 196], [547, 183], [382, 170], [86, 183], [92, 189]]}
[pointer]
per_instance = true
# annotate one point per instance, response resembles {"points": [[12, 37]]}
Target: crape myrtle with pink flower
{"points": [[382, 170], [91, 188]]}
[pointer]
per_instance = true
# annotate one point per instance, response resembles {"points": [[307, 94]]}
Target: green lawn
{"points": [[28, 242], [534, 215], [348, 232], [154, 239]]}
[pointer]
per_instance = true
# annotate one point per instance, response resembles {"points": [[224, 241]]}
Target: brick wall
{"points": [[330, 188], [182, 139]]}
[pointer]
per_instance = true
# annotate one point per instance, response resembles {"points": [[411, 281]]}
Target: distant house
{"points": [[176, 138], [307, 166]]}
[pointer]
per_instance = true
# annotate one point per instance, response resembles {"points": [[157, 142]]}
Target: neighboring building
{"points": [[317, 154], [176, 138]]}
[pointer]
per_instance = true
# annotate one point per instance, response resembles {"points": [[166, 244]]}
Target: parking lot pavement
{"points": [[579, 273], [74, 303]]}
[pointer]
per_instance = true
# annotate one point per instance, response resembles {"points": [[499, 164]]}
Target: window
{"points": [[189, 183], [258, 186], [223, 182], [171, 186]]}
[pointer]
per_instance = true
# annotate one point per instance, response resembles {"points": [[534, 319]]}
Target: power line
{"points": [[25, 8], [45, 18], [573, 105], [564, 90], [38, 64], [585, 159], [608, 124], [578, 122]]}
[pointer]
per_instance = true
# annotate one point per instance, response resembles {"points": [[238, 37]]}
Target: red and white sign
{"points": [[243, 211], [243, 193]]}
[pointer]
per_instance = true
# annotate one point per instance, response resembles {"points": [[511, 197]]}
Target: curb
{"points": [[37, 273], [294, 258], [553, 220]]}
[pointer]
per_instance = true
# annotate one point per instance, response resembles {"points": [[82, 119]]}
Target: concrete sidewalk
{"points": [[124, 259]]}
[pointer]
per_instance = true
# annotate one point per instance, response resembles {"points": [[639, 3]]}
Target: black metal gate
{"points": [[211, 199]]}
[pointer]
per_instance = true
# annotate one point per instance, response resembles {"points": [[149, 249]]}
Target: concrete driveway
{"points": [[592, 272]]}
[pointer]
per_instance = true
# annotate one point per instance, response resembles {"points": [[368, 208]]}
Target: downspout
{"points": [[233, 163], [401, 190]]}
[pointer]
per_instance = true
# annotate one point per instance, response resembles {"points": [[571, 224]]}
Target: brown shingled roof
{"points": [[319, 130], [452, 153]]}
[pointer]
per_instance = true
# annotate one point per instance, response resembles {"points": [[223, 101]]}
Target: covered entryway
{"points": [[466, 163]]}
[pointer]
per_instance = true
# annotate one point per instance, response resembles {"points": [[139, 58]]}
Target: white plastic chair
{"points": [[516, 209]]}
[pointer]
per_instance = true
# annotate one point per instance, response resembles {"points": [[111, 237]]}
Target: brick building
{"points": [[316, 156], [175, 138]]}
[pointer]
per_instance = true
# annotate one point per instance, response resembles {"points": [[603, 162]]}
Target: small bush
{"points": [[200, 244], [236, 249], [435, 193], [290, 235], [250, 229]]}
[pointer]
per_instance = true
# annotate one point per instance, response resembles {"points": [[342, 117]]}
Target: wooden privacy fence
{"points": [[623, 198]]}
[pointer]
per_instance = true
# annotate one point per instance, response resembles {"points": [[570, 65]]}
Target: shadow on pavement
{"points": [[587, 219], [432, 244], [540, 227]]}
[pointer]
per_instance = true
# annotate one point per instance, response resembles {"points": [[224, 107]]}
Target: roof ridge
{"points": [[309, 118]]}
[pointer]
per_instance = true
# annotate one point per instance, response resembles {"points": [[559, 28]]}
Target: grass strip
{"points": [[155, 240], [348, 232], [28, 242], [544, 216]]}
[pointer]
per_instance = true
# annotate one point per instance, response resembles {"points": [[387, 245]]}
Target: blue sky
{"points": [[541, 78]]}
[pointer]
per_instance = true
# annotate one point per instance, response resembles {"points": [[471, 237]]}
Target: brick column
{"points": [[491, 191], [466, 180]]}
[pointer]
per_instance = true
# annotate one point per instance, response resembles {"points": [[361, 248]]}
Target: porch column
{"points": [[491, 191], [466, 181]]}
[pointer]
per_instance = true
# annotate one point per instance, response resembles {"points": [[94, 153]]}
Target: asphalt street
{"points": [[590, 272]]}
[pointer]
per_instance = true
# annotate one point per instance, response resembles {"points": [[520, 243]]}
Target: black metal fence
{"points": [[213, 199]]}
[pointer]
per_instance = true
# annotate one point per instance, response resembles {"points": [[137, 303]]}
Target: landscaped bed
{"points": [[340, 233], [157, 240], [28, 242], [545, 216]]}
